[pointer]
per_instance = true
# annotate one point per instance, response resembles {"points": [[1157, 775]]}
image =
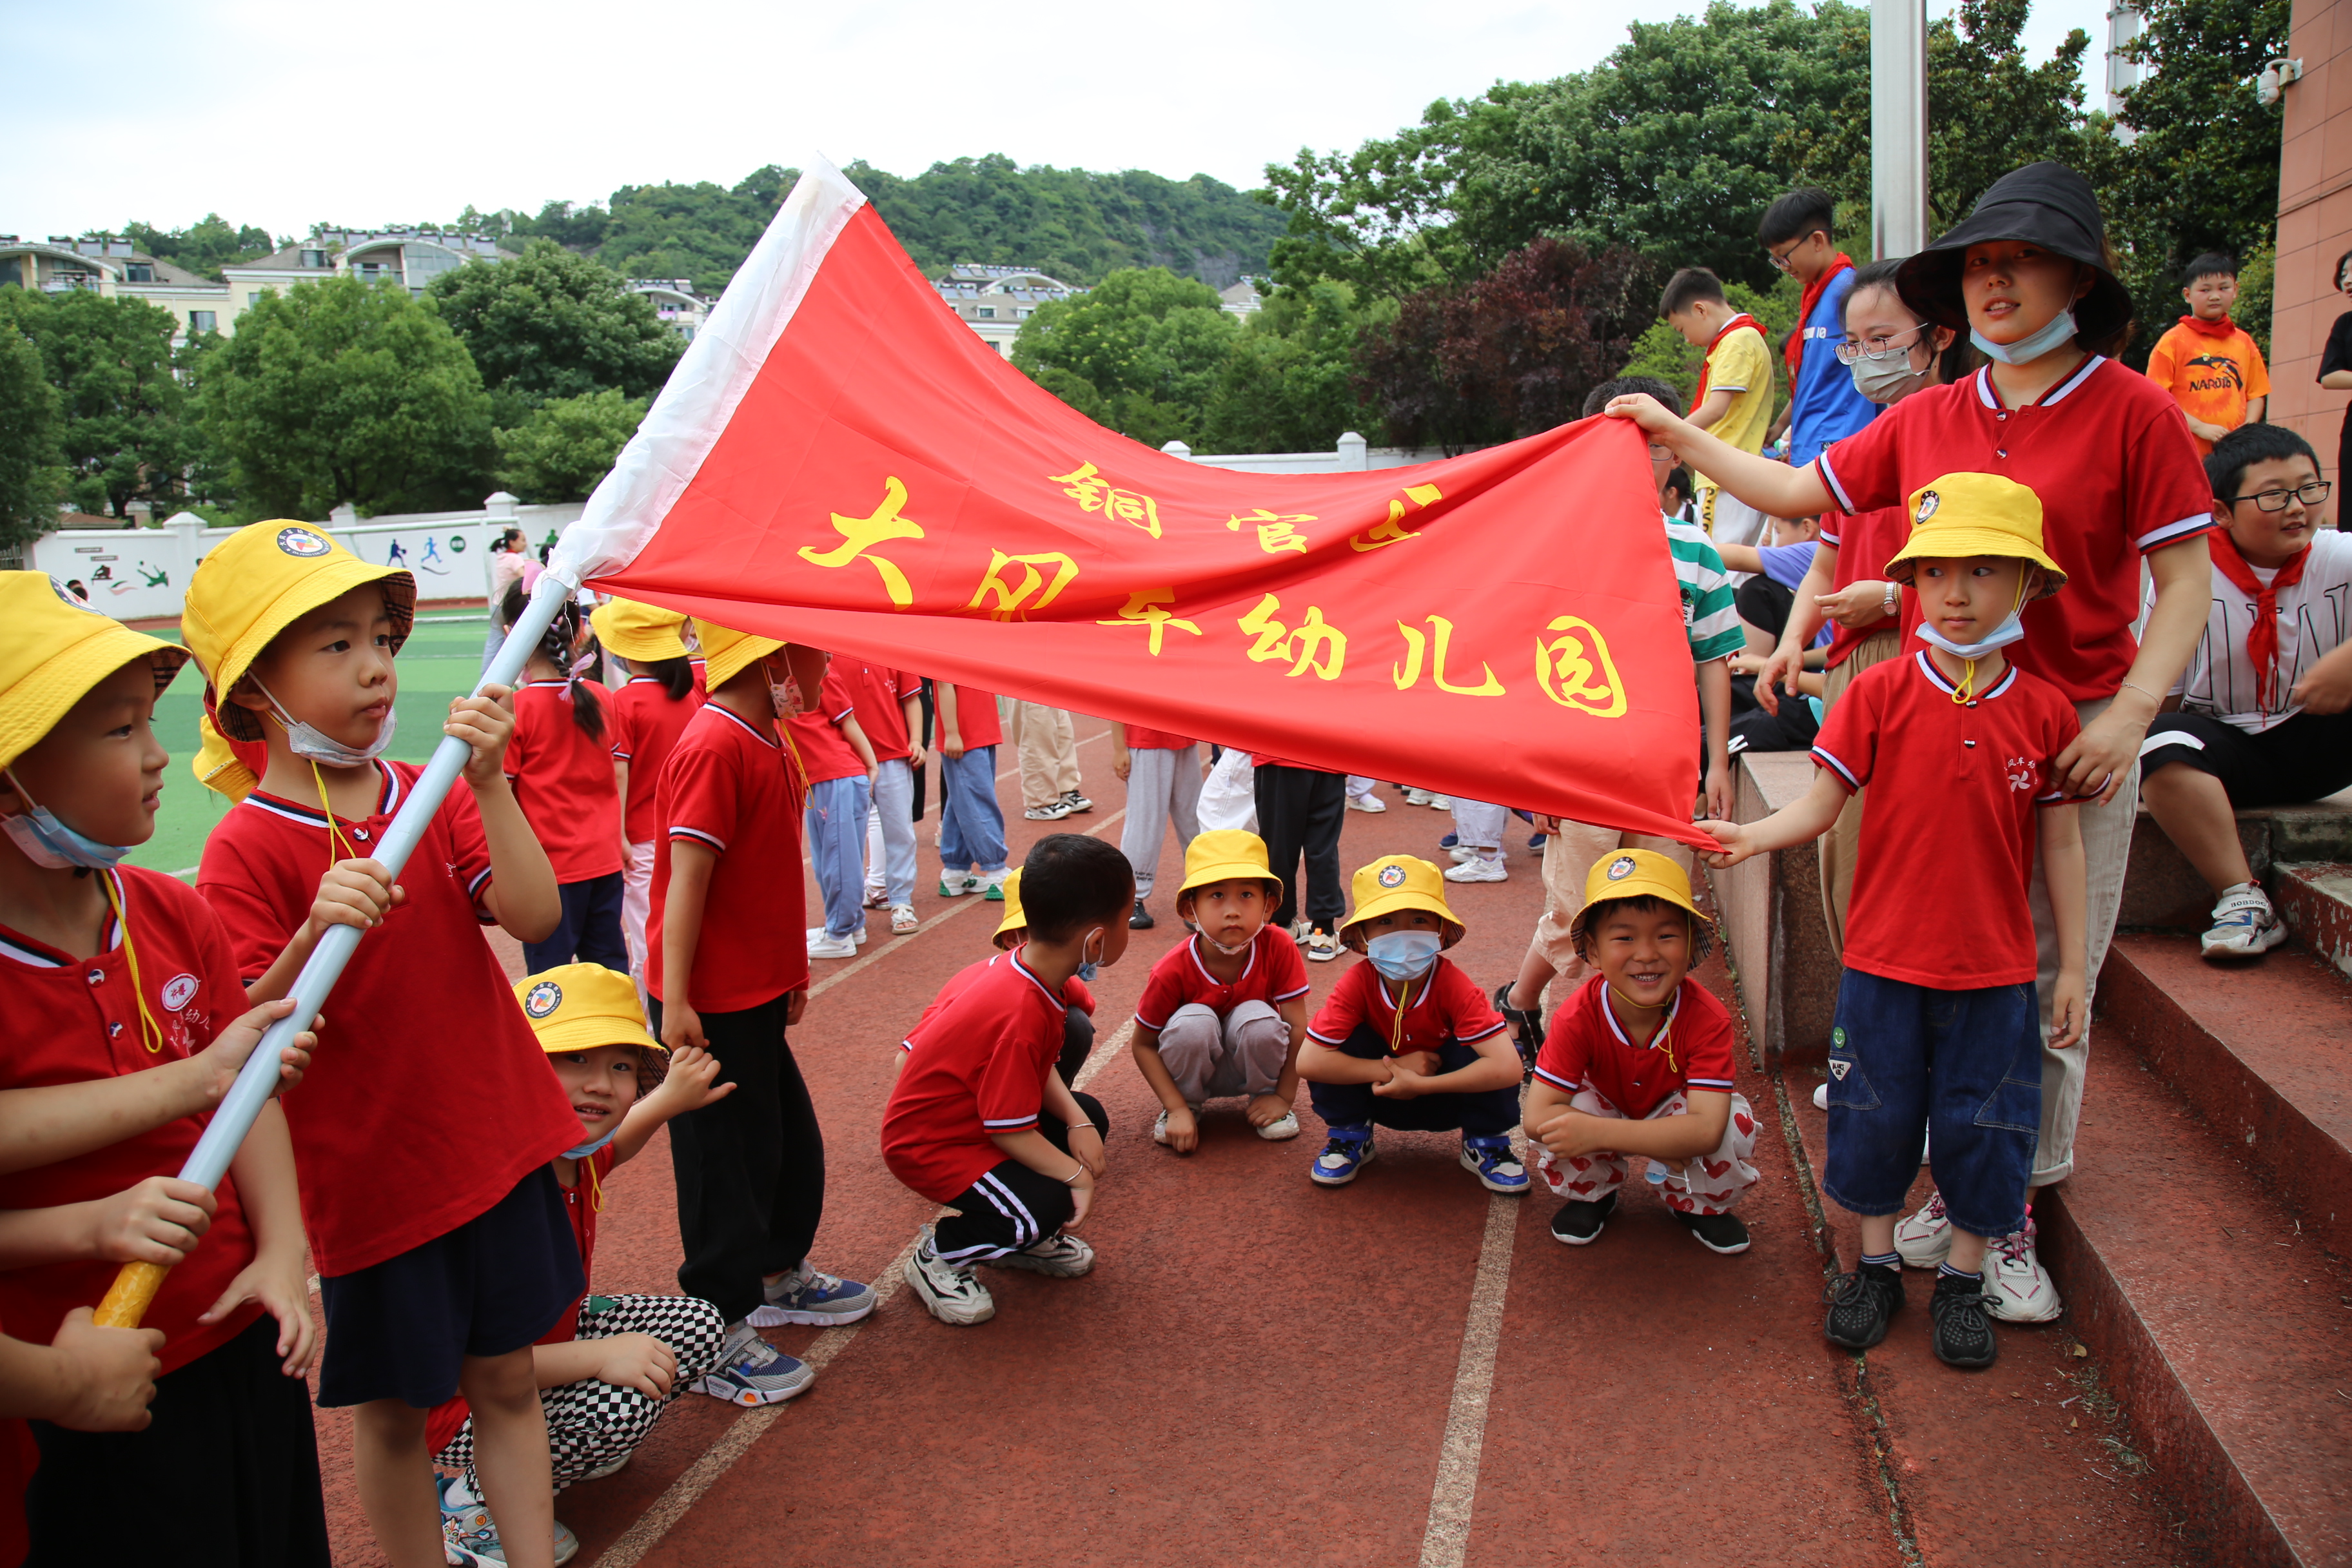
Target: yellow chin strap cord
{"points": [[1966, 691], [150, 1033], [1665, 1040]]}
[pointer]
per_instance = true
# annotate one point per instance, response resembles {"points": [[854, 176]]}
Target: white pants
{"points": [[1241, 1053], [890, 836], [637, 904], [1358, 787], [1711, 1183], [1480, 826], [1161, 784]]}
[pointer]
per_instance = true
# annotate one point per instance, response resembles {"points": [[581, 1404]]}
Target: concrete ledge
{"points": [[2164, 892], [2315, 900]]}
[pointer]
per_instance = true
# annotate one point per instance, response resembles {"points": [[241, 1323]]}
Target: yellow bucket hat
{"points": [[1225, 855], [1395, 882], [726, 653], [1013, 918], [55, 651], [637, 631], [257, 583], [1637, 874], [580, 1006], [1962, 515]]}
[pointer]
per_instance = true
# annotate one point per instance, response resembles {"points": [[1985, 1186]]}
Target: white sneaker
{"points": [[2244, 925], [2018, 1290], [950, 1293], [1822, 1095], [903, 920], [1440, 803], [1059, 1256], [1159, 1125], [821, 945], [1277, 1131], [1367, 802], [1416, 797], [956, 884], [610, 1467], [1479, 870], [1461, 853], [1925, 1239]]}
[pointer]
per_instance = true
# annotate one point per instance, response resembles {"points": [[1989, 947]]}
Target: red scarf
{"points": [[2261, 637], [1793, 351], [2224, 328], [1707, 366]]}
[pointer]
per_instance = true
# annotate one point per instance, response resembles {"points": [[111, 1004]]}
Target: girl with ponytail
{"points": [[566, 780]]}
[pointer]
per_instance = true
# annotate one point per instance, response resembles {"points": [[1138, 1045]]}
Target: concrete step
{"points": [[2316, 900], [2224, 1329], [2256, 1051]]}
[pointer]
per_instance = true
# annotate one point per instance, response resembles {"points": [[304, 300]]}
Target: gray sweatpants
{"points": [[1161, 784], [1241, 1053], [891, 834]]}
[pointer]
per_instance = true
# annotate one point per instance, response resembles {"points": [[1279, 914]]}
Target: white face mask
{"points": [[2002, 636], [1888, 380], [50, 844], [2030, 348], [314, 745]]}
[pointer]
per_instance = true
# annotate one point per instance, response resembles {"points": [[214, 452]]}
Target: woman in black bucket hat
{"points": [[2029, 276]]}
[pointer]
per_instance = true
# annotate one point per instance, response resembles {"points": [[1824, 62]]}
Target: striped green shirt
{"points": [[1709, 619]]}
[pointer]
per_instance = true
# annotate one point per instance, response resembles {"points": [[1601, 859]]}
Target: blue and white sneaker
{"points": [[1498, 1169], [2244, 924], [802, 1295], [1348, 1151], [469, 1536], [751, 1371]]}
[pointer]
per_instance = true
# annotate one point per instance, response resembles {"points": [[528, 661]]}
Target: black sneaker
{"points": [[1527, 1025], [1963, 1334], [1860, 1305], [1580, 1223], [1076, 802], [1715, 1232], [1142, 919]]}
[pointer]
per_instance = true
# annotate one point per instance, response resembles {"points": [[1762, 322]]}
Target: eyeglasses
{"points": [[1879, 348], [1780, 258], [1659, 449], [2311, 494]]}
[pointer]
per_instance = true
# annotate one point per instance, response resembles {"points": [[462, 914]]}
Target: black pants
{"points": [[2307, 758], [228, 1470], [1012, 1206], [750, 1169], [1077, 1043], [590, 930], [1490, 1114], [1298, 813], [1764, 605]]}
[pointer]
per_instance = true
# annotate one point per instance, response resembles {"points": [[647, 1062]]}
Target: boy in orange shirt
{"points": [[2208, 363]]}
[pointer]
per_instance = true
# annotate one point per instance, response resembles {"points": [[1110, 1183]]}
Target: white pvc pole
{"points": [[1899, 127]]}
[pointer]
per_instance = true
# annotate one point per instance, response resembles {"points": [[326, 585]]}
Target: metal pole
{"points": [[134, 1288], [1899, 127]]}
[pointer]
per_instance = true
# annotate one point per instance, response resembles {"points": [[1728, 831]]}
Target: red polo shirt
{"points": [[74, 1020], [564, 780], [644, 725], [2113, 462], [1865, 542], [879, 694], [1271, 973], [1587, 1048], [1946, 848], [975, 1067], [1447, 1005], [976, 724], [730, 786], [824, 750], [423, 1020]]}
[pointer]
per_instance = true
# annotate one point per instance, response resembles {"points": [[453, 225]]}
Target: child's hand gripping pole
{"points": [[127, 1298]]}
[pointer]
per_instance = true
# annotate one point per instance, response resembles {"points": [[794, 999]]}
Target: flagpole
{"points": [[135, 1286]]}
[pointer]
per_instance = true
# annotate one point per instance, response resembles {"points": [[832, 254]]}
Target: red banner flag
{"points": [[839, 461]]}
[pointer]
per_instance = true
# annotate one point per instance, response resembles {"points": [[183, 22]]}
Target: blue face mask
{"points": [[1087, 971], [593, 1144], [2060, 330], [1403, 955], [50, 844]]}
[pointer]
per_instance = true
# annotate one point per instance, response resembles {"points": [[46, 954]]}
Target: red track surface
{"points": [[1261, 1371]]}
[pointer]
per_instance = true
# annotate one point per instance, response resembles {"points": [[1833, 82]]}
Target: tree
{"points": [[121, 428], [1150, 346], [567, 444], [550, 324], [346, 391], [32, 470], [1290, 384], [203, 248]]}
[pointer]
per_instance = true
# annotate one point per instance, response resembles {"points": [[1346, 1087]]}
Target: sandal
{"points": [[1527, 1025]]}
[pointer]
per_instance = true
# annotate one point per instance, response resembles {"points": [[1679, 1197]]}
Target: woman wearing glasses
{"points": [[2263, 714]]}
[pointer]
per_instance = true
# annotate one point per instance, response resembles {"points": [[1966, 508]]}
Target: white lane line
{"points": [[753, 1424], [1443, 1543]]}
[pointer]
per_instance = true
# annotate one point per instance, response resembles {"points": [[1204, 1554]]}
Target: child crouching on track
{"points": [[978, 1119], [1638, 1062], [1937, 1021], [1078, 1023], [1408, 1041], [1225, 1012], [611, 1363]]}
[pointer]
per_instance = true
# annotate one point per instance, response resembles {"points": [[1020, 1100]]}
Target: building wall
{"points": [[2314, 224]]}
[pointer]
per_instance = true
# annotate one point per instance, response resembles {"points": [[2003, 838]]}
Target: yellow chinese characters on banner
{"points": [[1275, 533], [1314, 643], [1086, 486], [1441, 634], [1151, 609], [859, 535], [1013, 599], [1575, 670], [1394, 531]]}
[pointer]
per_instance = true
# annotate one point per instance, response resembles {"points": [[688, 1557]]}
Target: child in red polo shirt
{"points": [[1162, 774], [2029, 276], [839, 761], [972, 821], [979, 1121], [888, 704], [730, 975], [1225, 1012], [560, 764], [648, 711], [1936, 1018], [1640, 1062], [1406, 1039], [296, 636], [126, 1021]]}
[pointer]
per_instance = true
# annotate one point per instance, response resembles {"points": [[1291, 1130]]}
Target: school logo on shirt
{"points": [[1391, 877], [179, 991], [1621, 868], [544, 998], [302, 543], [2022, 773], [1928, 502]]}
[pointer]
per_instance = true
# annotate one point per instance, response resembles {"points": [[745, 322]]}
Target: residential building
{"points": [[675, 302], [994, 300], [1241, 300], [411, 258], [114, 268]]}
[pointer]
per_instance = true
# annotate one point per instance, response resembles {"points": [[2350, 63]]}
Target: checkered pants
{"points": [[591, 1423], [1711, 1183]]}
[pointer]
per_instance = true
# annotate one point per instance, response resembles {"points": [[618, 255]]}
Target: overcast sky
{"points": [[160, 111]]}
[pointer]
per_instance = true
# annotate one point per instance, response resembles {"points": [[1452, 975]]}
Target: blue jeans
{"points": [[1966, 1065], [590, 930], [836, 840], [972, 825], [1352, 1109]]}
